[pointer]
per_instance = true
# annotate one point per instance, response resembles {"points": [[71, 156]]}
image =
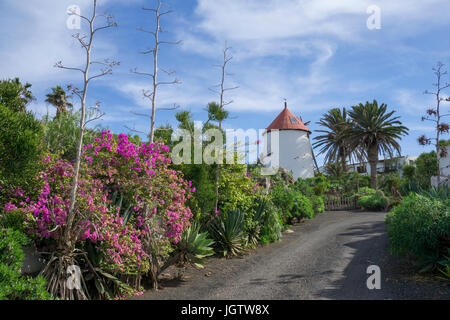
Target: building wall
{"points": [[444, 164], [294, 152], [381, 165]]}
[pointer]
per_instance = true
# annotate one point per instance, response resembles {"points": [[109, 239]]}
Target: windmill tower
{"points": [[294, 147]]}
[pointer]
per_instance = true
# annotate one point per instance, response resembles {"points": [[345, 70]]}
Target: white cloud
{"points": [[411, 102], [184, 94], [309, 31], [38, 37], [286, 19], [42, 109]]}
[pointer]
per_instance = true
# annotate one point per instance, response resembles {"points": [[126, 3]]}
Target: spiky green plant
{"points": [[253, 227], [228, 232], [444, 268], [194, 246], [102, 283], [117, 203], [443, 192]]}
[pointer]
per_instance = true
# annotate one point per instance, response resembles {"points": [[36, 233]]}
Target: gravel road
{"points": [[323, 258]]}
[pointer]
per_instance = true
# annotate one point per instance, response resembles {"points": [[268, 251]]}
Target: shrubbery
{"points": [[283, 198], [135, 213], [272, 224], [365, 191], [20, 139], [228, 232], [155, 194], [420, 227], [302, 207], [14, 286], [294, 204], [376, 202], [61, 135], [318, 204]]}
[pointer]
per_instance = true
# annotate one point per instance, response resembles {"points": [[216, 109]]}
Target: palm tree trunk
{"points": [[344, 166], [373, 160]]}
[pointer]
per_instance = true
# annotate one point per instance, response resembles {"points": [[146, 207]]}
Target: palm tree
{"points": [[376, 131], [333, 142], [15, 95], [58, 99]]}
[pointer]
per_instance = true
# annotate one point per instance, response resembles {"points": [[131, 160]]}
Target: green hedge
{"points": [[302, 207], [417, 226], [374, 202], [318, 204], [20, 138], [14, 286]]}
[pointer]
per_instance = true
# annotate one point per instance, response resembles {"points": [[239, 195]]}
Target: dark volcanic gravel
{"points": [[324, 258]]}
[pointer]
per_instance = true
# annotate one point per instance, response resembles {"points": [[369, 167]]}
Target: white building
{"points": [[293, 144], [444, 165], [384, 166]]}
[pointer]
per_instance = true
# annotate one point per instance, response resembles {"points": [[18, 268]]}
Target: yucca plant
{"points": [[117, 203], [253, 227], [194, 246], [445, 267], [252, 231], [443, 192], [228, 232], [260, 214], [102, 283]]}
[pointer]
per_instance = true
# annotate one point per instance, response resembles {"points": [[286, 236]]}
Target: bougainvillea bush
{"points": [[153, 194], [156, 194], [142, 175], [46, 216]]}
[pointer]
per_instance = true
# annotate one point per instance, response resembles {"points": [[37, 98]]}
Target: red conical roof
{"points": [[286, 120]]}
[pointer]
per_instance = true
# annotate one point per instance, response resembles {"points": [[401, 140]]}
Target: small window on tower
{"points": [[293, 120]]}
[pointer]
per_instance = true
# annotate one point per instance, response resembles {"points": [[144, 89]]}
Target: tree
{"points": [[333, 141], [20, 139], [409, 172], [58, 99], [15, 95], [59, 263], [202, 175], [375, 131], [163, 135], [427, 167], [435, 115], [152, 94], [217, 112], [334, 169], [20, 134], [61, 135]]}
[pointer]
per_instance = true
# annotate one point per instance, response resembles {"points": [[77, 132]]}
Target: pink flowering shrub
{"points": [[94, 221], [156, 195], [141, 174]]}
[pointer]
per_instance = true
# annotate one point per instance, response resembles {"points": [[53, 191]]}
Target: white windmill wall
{"points": [[295, 153], [444, 164]]}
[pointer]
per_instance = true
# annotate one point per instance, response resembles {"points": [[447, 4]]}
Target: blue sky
{"points": [[317, 54]]}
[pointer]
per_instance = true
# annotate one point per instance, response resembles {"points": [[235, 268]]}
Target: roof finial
{"points": [[285, 103]]}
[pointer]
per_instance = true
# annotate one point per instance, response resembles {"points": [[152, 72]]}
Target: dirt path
{"points": [[324, 258]]}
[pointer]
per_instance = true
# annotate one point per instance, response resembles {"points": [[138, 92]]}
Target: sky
{"points": [[316, 54]]}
